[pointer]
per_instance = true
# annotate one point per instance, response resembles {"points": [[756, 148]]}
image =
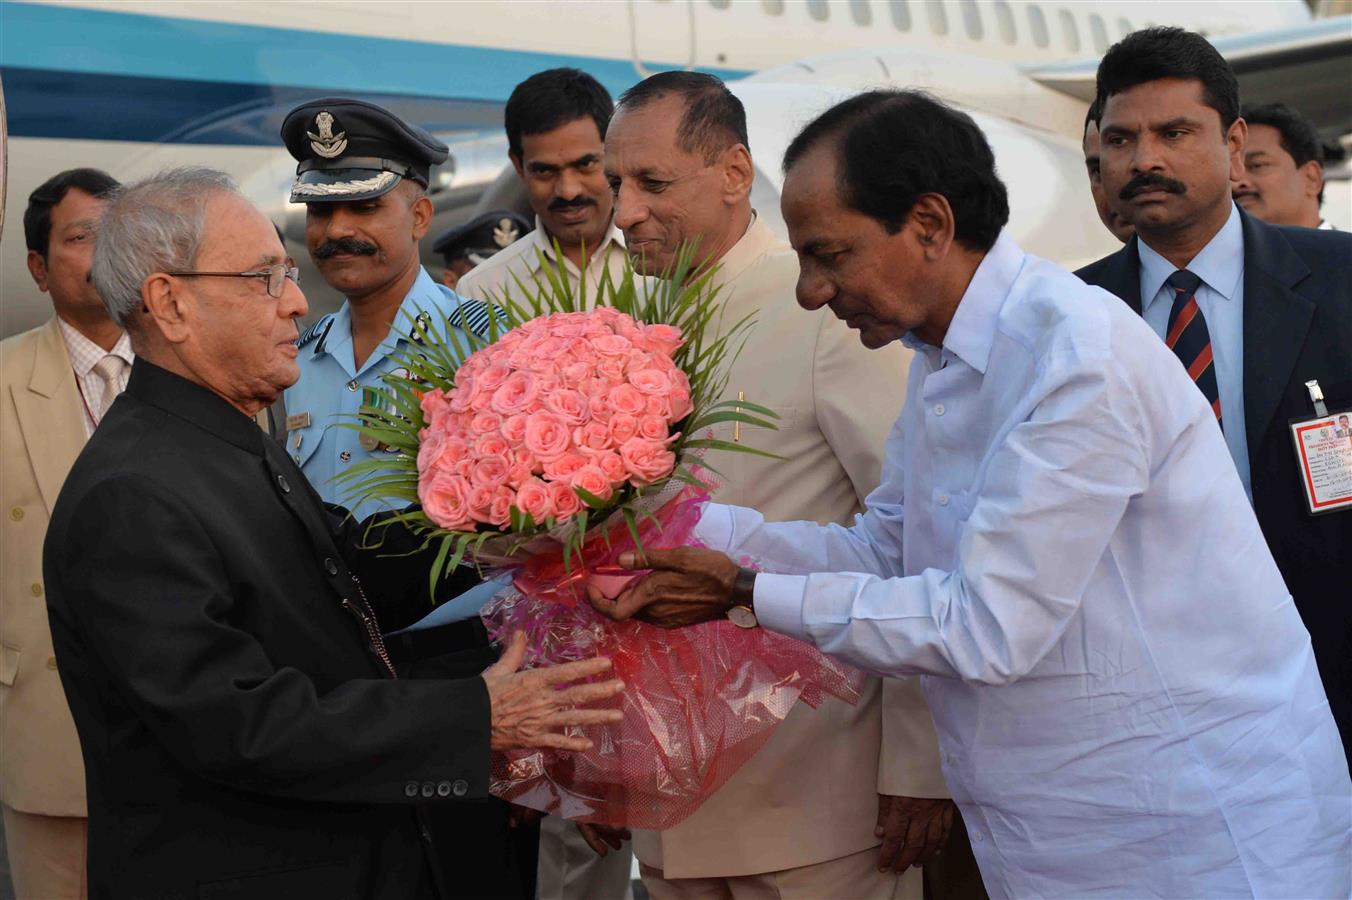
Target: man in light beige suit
{"points": [[806, 816], [55, 382]]}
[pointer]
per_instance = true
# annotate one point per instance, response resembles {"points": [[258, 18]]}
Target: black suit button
{"points": [[443, 789], [460, 788], [429, 790], [411, 789], [282, 483], [330, 566]]}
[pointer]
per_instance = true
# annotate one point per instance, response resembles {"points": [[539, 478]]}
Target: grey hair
{"points": [[152, 225]]}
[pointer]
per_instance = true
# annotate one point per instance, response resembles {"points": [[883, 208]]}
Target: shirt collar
{"points": [[194, 403], [972, 332], [751, 246], [1220, 265], [424, 295], [85, 354], [543, 241]]}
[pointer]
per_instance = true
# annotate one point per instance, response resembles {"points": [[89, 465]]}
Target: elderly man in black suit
{"points": [[1253, 310], [219, 629]]}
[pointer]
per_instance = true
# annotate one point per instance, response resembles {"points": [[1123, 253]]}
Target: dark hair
{"points": [[37, 218], [893, 146], [714, 118], [1299, 137], [1155, 53], [1093, 114], [551, 99]]}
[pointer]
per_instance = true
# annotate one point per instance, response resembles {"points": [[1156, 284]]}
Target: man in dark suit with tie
{"points": [[1253, 311]]}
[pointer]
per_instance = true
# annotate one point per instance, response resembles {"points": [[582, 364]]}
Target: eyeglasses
{"points": [[276, 277]]}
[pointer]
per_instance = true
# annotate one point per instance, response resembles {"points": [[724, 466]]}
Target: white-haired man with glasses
{"points": [[218, 627]]}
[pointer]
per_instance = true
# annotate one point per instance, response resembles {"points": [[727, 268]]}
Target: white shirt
{"points": [[84, 355], [1126, 698], [521, 259]]}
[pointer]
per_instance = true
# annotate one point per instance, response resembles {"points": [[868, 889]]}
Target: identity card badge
{"points": [[1324, 455]]}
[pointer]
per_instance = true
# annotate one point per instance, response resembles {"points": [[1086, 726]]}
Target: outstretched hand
{"points": [[686, 586], [534, 708]]}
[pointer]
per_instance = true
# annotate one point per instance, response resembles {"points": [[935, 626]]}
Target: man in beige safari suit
{"points": [[56, 381], [806, 816]]}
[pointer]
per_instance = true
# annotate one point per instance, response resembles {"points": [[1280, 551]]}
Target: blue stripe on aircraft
{"points": [[96, 75]]}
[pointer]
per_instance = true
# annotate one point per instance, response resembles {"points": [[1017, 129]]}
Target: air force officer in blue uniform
{"points": [[362, 176]]}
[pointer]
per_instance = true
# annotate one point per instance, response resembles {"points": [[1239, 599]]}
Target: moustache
{"points": [[575, 203], [1147, 180], [344, 245]]}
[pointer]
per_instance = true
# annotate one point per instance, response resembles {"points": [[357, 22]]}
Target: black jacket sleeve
{"points": [[146, 593]]}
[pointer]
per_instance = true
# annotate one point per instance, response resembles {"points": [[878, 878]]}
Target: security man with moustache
{"points": [[362, 174]]}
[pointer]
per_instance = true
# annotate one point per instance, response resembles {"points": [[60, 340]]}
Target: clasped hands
{"points": [[684, 586]]}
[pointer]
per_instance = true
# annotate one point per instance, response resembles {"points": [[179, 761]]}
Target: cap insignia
{"points": [[326, 143], [505, 232]]}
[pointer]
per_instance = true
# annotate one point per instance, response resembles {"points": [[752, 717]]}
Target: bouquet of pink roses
{"points": [[568, 437]]}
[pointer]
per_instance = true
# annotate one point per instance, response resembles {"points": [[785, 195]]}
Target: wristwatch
{"points": [[742, 613]]}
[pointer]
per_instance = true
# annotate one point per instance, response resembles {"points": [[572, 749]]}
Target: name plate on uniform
{"points": [[299, 420]]}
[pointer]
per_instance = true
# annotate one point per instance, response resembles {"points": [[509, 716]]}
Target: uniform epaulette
{"points": [[314, 331], [474, 316]]}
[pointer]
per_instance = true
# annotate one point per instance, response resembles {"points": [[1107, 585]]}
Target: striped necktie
{"points": [[1188, 337]]}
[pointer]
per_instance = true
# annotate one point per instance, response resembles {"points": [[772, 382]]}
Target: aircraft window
{"points": [[971, 19], [901, 14], [1070, 33], [1004, 18], [818, 10], [1123, 27], [862, 12], [773, 7], [720, 4], [1037, 23], [938, 16], [1099, 31]]}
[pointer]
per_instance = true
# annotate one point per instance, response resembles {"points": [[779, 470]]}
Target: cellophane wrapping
{"points": [[698, 703]]}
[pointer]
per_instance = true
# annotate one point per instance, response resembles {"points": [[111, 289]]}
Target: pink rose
{"points": [[568, 405], [430, 443], [613, 467], [646, 461], [534, 499], [515, 393], [546, 435], [517, 476], [625, 398], [485, 422], [480, 501], [573, 373], [612, 345], [462, 395], [650, 381], [611, 368], [500, 510], [492, 377], [592, 436], [492, 445], [524, 458], [664, 339], [490, 471], [623, 426], [679, 402], [434, 405], [454, 451], [445, 500], [657, 405], [653, 428], [562, 469], [566, 501], [514, 429], [592, 479]]}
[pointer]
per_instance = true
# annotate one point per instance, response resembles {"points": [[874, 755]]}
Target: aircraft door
{"points": [[661, 35]]}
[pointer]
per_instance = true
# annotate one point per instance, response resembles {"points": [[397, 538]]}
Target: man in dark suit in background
{"points": [[218, 628], [1252, 310]]}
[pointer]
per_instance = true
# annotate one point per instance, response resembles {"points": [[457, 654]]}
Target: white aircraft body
{"points": [[132, 86]]}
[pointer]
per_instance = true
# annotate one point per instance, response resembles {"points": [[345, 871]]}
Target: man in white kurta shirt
{"points": [[556, 121], [1126, 698]]}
